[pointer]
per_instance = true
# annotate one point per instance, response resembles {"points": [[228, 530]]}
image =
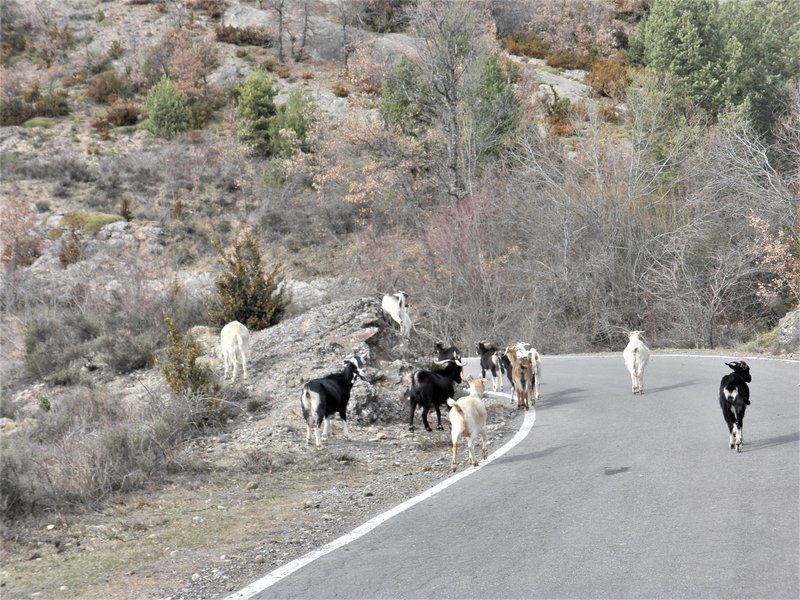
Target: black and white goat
{"points": [[444, 354], [322, 398], [397, 307], [491, 360], [431, 389], [734, 398]]}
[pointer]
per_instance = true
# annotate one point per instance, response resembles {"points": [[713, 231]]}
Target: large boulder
{"points": [[789, 333]]}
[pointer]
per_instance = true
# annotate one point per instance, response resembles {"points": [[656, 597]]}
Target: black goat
{"points": [[444, 354], [490, 358], [431, 389], [734, 398], [322, 398]]}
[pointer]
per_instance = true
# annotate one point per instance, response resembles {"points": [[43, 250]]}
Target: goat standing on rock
{"points": [[636, 356], [734, 398], [396, 306]]}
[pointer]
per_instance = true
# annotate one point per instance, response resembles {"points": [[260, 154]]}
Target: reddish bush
{"points": [[20, 240], [609, 77]]}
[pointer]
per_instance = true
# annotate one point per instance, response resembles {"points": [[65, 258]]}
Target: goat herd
{"points": [[322, 398]]}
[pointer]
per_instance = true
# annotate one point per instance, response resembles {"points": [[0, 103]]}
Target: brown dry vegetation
{"points": [[587, 222]]}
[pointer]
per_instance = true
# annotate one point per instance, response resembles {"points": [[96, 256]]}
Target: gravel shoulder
{"points": [[257, 505]]}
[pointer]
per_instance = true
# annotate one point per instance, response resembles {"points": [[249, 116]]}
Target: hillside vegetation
{"points": [[556, 172]]}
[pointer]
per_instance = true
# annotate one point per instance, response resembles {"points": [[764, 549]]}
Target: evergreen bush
{"points": [[243, 291], [167, 110]]}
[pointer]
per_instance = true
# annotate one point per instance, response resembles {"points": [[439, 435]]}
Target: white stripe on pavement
{"points": [[290, 567]]}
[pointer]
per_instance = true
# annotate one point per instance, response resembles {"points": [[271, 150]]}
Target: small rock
{"points": [[251, 485], [195, 576]]}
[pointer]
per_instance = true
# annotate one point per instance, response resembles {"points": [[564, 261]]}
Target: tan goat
{"points": [[468, 419]]}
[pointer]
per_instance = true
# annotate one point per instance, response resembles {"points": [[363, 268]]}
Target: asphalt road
{"points": [[610, 495]]}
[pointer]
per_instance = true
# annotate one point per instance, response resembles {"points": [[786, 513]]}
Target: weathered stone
{"points": [[789, 333]]}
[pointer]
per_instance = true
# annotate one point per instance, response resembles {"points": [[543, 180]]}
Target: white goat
{"points": [[468, 419], [232, 341], [396, 306], [636, 355]]}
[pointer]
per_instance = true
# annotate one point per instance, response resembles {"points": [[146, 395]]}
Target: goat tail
{"points": [[452, 404], [305, 397]]}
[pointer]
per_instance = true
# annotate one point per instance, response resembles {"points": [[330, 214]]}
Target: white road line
{"points": [[290, 567]]}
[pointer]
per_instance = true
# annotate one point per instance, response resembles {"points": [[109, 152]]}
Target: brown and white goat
{"points": [[468, 419], [522, 375], [232, 341]]}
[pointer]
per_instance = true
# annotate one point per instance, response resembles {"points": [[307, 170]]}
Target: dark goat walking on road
{"points": [[431, 389], [734, 398]]}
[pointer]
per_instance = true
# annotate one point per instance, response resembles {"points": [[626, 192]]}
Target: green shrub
{"points": [[256, 110], [183, 374], [167, 110], [290, 125], [243, 291]]}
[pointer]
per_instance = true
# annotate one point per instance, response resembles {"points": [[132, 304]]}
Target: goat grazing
{"points": [[490, 359], [396, 306], [322, 398], [734, 398], [636, 356], [468, 419], [232, 340], [431, 389], [444, 354]]}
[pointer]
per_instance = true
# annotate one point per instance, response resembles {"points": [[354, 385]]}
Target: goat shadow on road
{"points": [[568, 396], [674, 386], [788, 438], [532, 455]]}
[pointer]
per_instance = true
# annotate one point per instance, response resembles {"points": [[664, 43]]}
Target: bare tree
{"points": [[451, 34], [279, 7]]}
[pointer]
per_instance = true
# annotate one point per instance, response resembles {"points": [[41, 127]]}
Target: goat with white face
{"points": [[397, 307], [468, 419], [734, 398], [636, 356], [232, 341]]}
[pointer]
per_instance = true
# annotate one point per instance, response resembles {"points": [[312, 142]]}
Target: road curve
{"points": [[609, 496]]}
